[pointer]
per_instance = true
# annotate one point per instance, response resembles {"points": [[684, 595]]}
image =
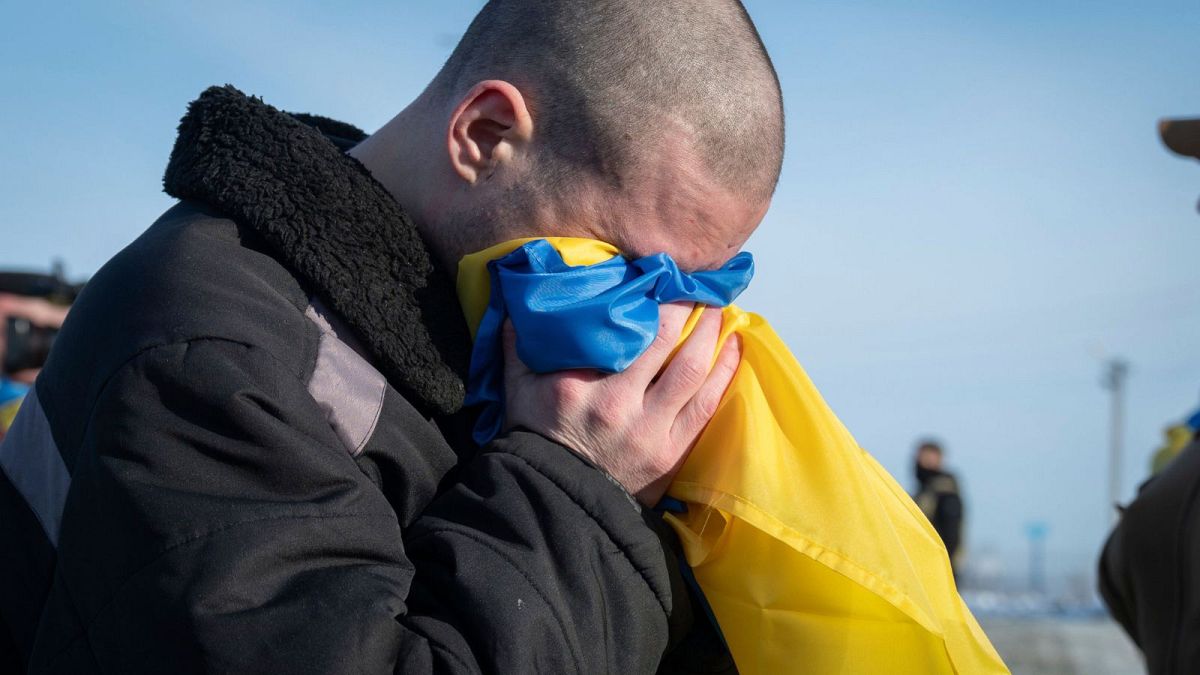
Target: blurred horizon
{"points": [[975, 210]]}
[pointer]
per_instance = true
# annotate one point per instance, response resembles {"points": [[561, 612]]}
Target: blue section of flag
{"points": [[11, 391], [600, 316]]}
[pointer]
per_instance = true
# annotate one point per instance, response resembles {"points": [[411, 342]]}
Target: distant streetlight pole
{"points": [[1115, 372]]}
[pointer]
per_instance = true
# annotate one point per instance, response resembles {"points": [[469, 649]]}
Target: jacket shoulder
{"points": [[192, 275], [945, 484]]}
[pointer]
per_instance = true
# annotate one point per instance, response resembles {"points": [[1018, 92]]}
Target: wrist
{"points": [[586, 459]]}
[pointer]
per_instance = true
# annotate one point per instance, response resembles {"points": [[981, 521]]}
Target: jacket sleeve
{"points": [[215, 523]]}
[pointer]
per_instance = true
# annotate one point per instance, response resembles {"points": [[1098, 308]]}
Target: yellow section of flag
{"points": [[811, 556]]}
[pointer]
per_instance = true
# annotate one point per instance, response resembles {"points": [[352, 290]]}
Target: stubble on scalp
{"points": [[605, 79]]}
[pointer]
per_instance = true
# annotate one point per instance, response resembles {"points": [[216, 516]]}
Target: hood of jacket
{"points": [[286, 177]]}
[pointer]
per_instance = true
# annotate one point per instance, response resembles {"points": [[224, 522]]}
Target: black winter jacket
{"points": [[1150, 567], [244, 453], [939, 499]]}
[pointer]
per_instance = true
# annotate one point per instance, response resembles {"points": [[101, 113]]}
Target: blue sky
{"points": [[974, 209]]}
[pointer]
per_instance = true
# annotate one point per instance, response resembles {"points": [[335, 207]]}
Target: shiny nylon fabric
{"points": [[11, 395], [600, 316], [811, 556]]}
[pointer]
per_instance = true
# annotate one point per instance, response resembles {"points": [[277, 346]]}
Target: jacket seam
{"points": [[468, 534], [602, 525], [362, 445], [91, 412], [176, 343]]}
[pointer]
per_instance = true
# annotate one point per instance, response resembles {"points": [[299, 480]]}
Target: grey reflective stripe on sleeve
{"points": [[348, 388], [30, 459]]}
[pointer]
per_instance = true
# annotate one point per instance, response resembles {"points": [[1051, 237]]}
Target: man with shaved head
{"points": [[654, 126], [248, 451]]}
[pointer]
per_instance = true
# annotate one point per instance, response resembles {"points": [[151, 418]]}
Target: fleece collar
{"points": [[333, 226]]}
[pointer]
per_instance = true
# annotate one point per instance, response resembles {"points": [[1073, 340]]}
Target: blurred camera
{"points": [[27, 345]]}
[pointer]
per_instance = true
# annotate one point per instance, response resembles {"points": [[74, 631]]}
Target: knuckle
{"points": [[706, 405], [693, 370], [727, 370]]}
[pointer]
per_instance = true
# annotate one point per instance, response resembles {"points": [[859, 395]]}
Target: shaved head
{"points": [[610, 78], [654, 125]]}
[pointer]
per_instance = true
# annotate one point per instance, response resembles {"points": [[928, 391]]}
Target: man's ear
{"points": [[487, 128]]}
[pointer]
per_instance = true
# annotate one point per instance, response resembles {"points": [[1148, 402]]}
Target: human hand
{"points": [[39, 311], [637, 425]]}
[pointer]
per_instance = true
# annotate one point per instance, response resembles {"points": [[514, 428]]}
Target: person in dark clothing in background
{"points": [[248, 452], [32, 309], [1150, 567], [938, 496]]}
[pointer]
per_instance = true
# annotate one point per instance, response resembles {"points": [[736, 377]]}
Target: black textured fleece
{"points": [[334, 226], [343, 134]]}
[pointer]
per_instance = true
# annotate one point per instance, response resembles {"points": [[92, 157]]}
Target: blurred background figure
{"points": [[938, 496], [32, 309], [1150, 567]]}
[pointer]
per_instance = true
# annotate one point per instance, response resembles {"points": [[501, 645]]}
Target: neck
{"points": [[399, 163]]}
